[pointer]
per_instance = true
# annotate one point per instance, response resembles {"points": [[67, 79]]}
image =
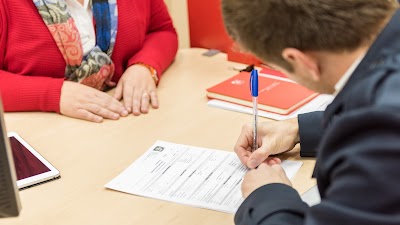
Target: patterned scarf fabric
{"points": [[96, 69]]}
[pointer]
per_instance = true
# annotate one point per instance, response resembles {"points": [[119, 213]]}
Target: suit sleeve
{"points": [[161, 41], [310, 131], [272, 204]]}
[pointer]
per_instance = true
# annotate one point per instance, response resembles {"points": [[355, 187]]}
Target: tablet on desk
{"points": [[30, 166]]}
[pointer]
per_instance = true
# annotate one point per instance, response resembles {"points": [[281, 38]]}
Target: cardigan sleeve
{"points": [[161, 41], [24, 92]]}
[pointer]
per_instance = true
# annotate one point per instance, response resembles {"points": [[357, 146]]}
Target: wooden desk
{"points": [[89, 155]]}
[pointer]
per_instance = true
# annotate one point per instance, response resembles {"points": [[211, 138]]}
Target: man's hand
{"points": [[273, 138], [137, 89], [266, 173], [83, 102]]}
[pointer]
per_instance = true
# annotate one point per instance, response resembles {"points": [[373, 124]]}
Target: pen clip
{"points": [[254, 83]]}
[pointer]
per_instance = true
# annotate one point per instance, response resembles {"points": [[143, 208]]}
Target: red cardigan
{"points": [[32, 68]]}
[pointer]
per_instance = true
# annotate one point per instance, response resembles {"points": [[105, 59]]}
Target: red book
{"points": [[275, 95]]}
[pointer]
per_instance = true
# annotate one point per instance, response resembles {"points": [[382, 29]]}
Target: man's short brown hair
{"points": [[266, 27]]}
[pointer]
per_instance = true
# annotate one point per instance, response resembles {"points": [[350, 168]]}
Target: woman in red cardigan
{"points": [[60, 55]]}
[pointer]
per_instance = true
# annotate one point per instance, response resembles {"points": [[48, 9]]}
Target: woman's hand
{"points": [[83, 102], [137, 89]]}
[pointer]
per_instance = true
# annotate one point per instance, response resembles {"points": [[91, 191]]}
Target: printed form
{"points": [[195, 176]]}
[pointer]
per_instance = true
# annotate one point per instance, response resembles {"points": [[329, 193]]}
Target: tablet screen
{"points": [[26, 164]]}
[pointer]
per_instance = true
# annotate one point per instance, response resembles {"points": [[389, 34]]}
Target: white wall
{"points": [[179, 14]]}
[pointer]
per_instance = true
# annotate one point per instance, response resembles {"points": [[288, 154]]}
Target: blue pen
{"points": [[254, 93]]}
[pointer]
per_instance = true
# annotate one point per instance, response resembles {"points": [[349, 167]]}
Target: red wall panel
{"points": [[206, 25], [207, 30]]}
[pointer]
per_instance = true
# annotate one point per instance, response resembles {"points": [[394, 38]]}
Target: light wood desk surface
{"points": [[89, 155]]}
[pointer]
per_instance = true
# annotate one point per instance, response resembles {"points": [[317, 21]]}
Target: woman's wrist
{"points": [[153, 71]]}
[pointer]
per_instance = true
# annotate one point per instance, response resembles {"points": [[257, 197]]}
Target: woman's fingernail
{"points": [[124, 112]]}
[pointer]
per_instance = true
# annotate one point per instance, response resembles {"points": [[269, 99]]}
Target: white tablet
{"points": [[30, 166]]}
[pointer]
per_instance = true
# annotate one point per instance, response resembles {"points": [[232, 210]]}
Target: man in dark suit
{"points": [[349, 48]]}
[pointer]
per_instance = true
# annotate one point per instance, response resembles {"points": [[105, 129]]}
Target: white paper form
{"points": [[189, 175]]}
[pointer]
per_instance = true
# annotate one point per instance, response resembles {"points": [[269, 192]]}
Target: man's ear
{"points": [[301, 61]]}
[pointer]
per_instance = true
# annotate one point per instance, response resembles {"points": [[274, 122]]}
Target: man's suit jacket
{"points": [[358, 151]]}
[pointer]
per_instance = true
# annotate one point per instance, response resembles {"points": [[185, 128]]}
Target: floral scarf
{"points": [[96, 69]]}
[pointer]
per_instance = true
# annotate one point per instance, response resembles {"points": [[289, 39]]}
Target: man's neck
{"points": [[334, 65]]}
